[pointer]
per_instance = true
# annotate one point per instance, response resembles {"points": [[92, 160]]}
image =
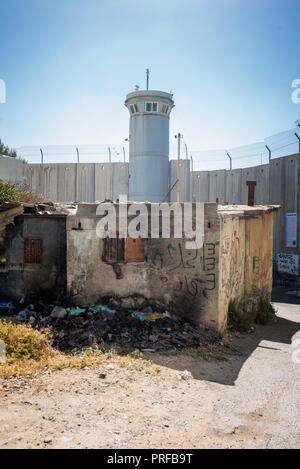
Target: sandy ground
{"points": [[250, 401]]}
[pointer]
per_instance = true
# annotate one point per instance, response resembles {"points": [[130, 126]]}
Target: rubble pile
{"points": [[125, 329]]}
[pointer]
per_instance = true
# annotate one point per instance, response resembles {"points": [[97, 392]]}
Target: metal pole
{"points": [[124, 154], [270, 154], [77, 151], [42, 156], [230, 160], [186, 151], [109, 154], [192, 163], [170, 190], [298, 141], [147, 79], [178, 136]]}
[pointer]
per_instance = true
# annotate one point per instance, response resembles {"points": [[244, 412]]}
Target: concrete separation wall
{"points": [[11, 169], [277, 183], [82, 182]]}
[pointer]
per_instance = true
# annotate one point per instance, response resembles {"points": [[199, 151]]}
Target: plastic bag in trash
{"points": [[77, 311], [25, 314], [142, 316], [138, 315], [103, 308]]}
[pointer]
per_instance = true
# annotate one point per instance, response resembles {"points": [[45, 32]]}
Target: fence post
{"points": [[298, 140], [269, 153], [230, 160]]}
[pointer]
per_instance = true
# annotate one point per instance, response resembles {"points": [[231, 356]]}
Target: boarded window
{"points": [[134, 250], [113, 250], [32, 251]]}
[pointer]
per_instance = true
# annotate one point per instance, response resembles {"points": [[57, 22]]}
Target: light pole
{"points": [[179, 136]]}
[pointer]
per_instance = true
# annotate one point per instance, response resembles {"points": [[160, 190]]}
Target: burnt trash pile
{"points": [[124, 329]]}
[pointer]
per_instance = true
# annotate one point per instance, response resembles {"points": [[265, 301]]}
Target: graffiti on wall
{"points": [[231, 273], [196, 269], [287, 263], [261, 269]]}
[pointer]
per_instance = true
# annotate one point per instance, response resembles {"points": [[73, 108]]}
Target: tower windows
{"points": [[165, 109], [155, 106], [151, 107], [134, 108]]}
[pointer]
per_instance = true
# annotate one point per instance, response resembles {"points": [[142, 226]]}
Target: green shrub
{"points": [[249, 310], [265, 311], [16, 192], [9, 192], [239, 318]]}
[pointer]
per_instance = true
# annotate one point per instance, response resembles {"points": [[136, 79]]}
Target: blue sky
{"points": [[68, 65]]}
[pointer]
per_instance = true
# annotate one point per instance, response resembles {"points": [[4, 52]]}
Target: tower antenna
{"points": [[147, 79]]}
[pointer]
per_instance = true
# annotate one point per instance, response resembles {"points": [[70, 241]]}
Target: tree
{"points": [[4, 150]]}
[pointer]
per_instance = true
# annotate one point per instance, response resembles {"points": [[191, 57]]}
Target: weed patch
{"points": [[29, 351], [251, 309]]}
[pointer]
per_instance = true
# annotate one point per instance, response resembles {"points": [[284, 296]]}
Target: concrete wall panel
{"points": [[184, 176], [217, 186], [199, 186], [66, 186], [233, 186], [11, 169]]}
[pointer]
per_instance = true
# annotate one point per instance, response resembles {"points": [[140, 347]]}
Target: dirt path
{"points": [[250, 401]]}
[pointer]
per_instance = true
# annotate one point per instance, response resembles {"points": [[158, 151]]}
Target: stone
{"points": [[185, 375], [58, 312], [127, 303]]}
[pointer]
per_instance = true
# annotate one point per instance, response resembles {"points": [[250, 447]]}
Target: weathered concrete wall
{"points": [[184, 281], [11, 169], [246, 249], [259, 252], [47, 279], [232, 263], [196, 284]]}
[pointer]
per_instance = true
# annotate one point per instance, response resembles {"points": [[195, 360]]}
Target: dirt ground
{"points": [[252, 400]]}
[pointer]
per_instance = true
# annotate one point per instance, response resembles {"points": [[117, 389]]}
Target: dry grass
{"points": [[207, 352], [29, 351], [211, 352]]}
